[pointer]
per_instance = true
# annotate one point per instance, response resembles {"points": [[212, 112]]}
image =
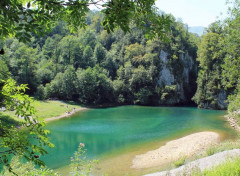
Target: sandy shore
{"points": [[176, 149], [67, 114]]}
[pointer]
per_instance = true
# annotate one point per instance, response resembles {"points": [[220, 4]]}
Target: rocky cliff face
{"points": [[165, 76], [221, 102], [222, 99], [177, 80]]}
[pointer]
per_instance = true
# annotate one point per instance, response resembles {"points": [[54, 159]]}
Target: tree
{"points": [[49, 48], [142, 85], [40, 93], [45, 72], [29, 142], [69, 50], [88, 58], [23, 66], [69, 83], [63, 86], [99, 53], [88, 38], [106, 39], [210, 56], [22, 17], [4, 75], [231, 66], [134, 50], [94, 87]]}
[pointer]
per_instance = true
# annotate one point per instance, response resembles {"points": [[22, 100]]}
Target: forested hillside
{"points": [[95, 67], [219, 57]]}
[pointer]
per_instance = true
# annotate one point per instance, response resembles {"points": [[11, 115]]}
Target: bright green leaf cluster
{"points": [[27, 140], [21, 18]]}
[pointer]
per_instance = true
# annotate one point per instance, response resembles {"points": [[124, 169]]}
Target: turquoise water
{"points": [[108, 130]]}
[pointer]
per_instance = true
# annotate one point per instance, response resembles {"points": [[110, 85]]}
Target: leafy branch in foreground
{"points": [[26, 169], [27, 141], [20, 18]]}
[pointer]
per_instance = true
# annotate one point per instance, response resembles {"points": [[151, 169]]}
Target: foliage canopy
{"points": [[20, 18]]}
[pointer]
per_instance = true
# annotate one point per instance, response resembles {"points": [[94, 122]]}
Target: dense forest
{"points": [[219, 58], [95, 67]]}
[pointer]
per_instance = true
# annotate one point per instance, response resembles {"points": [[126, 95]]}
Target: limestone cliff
{"points": [[177, 79]]}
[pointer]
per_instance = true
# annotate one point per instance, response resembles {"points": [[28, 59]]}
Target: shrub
{"points": [[180, 162], [210, 151]]}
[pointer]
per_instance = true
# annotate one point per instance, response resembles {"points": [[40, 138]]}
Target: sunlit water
{"points": [[109, 130]]}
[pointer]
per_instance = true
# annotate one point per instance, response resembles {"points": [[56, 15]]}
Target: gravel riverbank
{"points": [[200, 164], [176, 149]]}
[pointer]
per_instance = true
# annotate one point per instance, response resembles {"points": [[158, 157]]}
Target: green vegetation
{"points": [[27, 142], [80, 165], [226, 145], [219, 55], [219, 78], [211, 150], [94, 67], [26, 169], [230, 167], [47, 109], [44, 110], [180, 162], [23, 17], [209, 81]]}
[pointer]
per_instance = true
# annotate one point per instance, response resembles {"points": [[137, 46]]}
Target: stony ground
{"points": [[200, 164], [174, 150]]}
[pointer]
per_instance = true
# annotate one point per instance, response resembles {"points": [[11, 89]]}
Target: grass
{"points": [[180, 162], [9, 119], [211, 150], [47, 109], [227, 145], [229, 168], [222, 170]]}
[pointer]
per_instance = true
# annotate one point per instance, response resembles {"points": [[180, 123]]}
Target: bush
{"points": [[40, 94], [210, 151], [234, 104], [81, 166], [26, 169]]}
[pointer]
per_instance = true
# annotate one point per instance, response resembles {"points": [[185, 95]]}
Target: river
{"points": [[127, 130]]}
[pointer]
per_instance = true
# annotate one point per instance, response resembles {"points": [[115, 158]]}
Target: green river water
{"points": [[116, 131]]}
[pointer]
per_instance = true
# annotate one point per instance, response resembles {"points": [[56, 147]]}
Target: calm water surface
{"points": [[108, 130]]}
